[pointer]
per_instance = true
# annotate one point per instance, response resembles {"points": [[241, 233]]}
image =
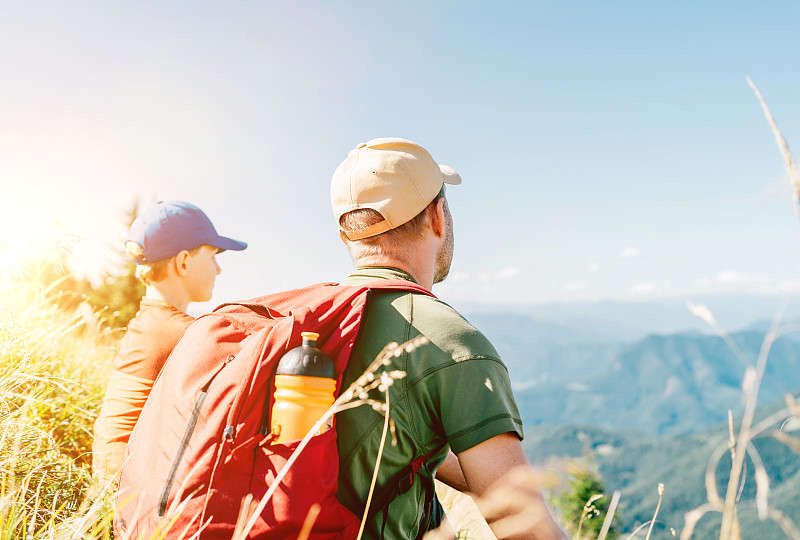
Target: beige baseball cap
{"points": [[395, 177]]}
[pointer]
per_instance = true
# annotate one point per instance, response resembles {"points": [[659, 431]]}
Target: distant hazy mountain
{"points": [[675, 383], [540, 352], [635, 464], [628, 321]]}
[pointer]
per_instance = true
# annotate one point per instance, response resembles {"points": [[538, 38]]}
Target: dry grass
{"points": [[740, 446], [52, 365]]}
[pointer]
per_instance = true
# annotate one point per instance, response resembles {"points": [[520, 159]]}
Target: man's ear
{"points": [[438, 218], [182, 263]]}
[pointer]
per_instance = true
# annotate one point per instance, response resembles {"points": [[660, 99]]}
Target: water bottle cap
{"points": [[311, 336], [307, 360]]}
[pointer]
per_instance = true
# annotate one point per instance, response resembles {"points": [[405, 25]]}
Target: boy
{"points": [[174, 246]]}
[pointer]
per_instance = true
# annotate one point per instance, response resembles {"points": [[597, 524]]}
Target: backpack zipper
{"points": [[187, 436]]}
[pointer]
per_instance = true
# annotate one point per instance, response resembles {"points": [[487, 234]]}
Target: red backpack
{"points": [[199, 447]]}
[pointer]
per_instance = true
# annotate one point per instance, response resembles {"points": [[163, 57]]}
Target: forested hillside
{"points": [[635, 463]]}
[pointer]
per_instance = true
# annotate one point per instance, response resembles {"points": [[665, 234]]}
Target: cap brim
{"points": [[224, 243], [450, 176]]}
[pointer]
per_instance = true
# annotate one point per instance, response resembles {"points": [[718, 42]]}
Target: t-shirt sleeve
{"points": [[460, 383], [475, 402]]}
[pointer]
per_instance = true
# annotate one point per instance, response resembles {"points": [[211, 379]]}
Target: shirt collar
{"points": [[155, 302], [366, 274]]}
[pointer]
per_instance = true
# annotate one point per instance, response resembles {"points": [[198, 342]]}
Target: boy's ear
{"points": [[182, 263]]}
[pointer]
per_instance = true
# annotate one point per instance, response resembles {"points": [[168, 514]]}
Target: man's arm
{"points": [[449, 472], [498, 472]]}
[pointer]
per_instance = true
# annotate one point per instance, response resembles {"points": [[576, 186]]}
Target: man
{"points": [[174, 246], [455, 402]]}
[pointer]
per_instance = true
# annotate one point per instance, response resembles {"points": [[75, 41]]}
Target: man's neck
{"points": [[420, 272]]}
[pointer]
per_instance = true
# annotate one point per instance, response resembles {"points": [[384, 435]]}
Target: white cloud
{"points": [[594, 266], [456, 277], [672, 384], [731, 280], [643, 288], [629, 253], [507, 273], [524, 385], [789, 286], [731, 277], [575, 286], [734, 278]]}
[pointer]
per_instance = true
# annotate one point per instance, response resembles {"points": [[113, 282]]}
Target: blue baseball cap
{"points": [[170, 227]]}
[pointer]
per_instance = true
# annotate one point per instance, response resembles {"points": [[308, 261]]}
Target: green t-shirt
{"points": [[456, 394]]}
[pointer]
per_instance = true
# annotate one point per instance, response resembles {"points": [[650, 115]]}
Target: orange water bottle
{"points": [[305, 382]]}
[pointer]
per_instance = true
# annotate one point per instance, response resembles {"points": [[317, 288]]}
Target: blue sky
{"points": [[609, 150]]}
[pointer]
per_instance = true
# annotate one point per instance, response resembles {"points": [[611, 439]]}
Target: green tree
{"points": [[116, 299], [583, 505]]}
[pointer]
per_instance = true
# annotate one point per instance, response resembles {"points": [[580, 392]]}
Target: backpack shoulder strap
{"points": [[403, 480], [272, 305], [399, 484]]}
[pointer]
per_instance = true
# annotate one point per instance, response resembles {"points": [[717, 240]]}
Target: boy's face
{"points": [[203, 270]]}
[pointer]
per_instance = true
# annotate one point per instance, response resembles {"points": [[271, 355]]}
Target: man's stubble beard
{"points": [[444, 257]]}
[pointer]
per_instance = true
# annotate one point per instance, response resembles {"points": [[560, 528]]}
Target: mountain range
{"points": [[645, 407], [634, 465], [659, 383]]}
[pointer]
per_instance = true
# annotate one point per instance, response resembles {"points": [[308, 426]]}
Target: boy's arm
{"points": [[122, 404], [498, 472]]}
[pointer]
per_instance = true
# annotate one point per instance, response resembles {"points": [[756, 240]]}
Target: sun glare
{"points": [[37, 228], [25, 237]]}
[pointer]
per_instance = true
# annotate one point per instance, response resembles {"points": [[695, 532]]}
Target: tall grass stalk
{"points": [[650, 523], [376, 469], [783, 147], [751, 385], [589, 509], [658, 507], [612, 508], [308, 524], [356, 395]]}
